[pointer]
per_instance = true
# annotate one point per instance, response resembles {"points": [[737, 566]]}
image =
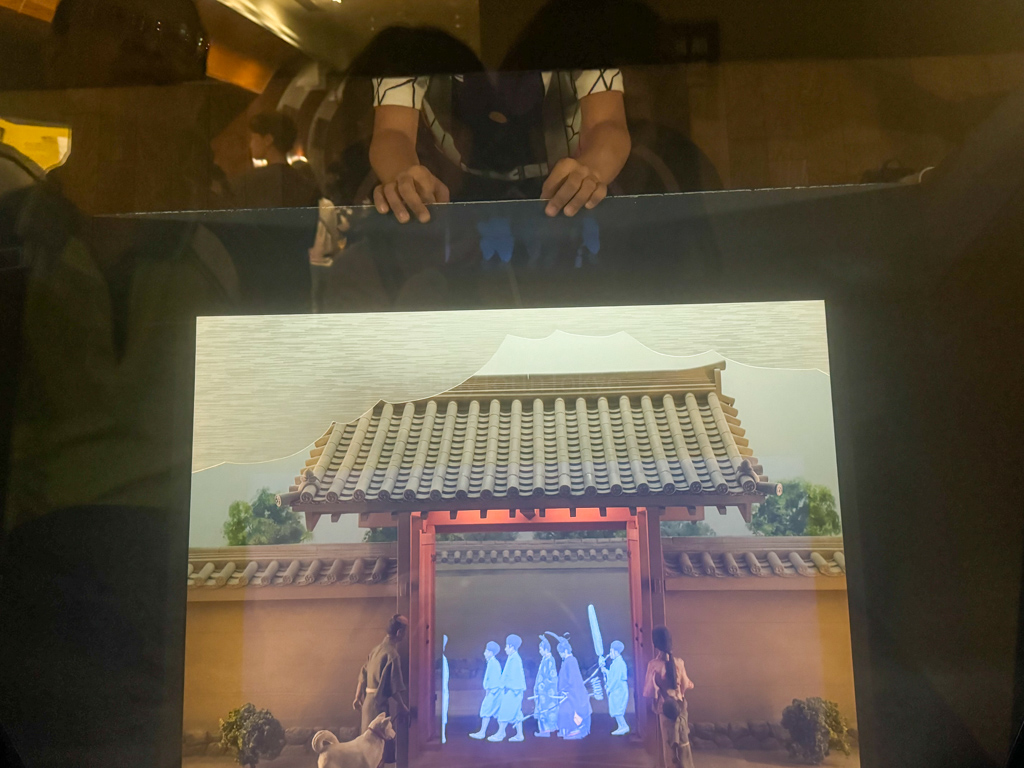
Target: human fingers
{"points": [[587, 188], [599, 194], [395, 200], [379, 199], [566, 192], [411, 197], [558, 174], [425, 182], [441, 192]]}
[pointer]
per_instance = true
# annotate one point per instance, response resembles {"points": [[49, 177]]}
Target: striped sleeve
{"points": [[400, 91], [588, 81]]}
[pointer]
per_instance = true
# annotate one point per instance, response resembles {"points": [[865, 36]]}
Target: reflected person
{"points": [[101, 440], [277, 184], [560, 136]]}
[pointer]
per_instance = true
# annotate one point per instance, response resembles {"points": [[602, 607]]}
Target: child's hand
{"points": [[571, 186], [414, 188]]}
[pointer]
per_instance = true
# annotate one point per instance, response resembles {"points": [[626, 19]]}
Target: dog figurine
{"points": [[364, 751]]}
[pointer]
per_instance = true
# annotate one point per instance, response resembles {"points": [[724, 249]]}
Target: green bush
{"points": [[251, 735], [815, 728], [803, 509], [675, 528], [595, 534], [263, 522]]}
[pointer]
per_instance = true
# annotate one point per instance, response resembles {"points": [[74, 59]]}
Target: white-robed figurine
{"points": [[492, 690], [618, 688], [513, 686]]}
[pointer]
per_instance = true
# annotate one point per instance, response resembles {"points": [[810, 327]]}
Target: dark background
{"points": [[922, 287]]}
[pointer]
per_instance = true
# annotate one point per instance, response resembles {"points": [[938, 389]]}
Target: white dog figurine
{"points": [[364, 751]]}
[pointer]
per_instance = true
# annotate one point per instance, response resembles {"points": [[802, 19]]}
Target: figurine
{"points": [[574, 711], [545, 692], [492, 689], [616, 682], [513, 686]]}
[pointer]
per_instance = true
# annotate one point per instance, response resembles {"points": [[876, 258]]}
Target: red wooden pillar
{"points": [[416, 600], [426, 702], [641, 640], [408, 577], [657, 572], [652, 600]]}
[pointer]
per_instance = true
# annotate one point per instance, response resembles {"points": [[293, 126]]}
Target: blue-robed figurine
{"points": [[617, 684], [574, 710], [513, 686], [492, 690], [545, 692]]}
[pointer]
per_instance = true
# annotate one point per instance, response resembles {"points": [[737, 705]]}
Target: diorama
{"points": [[455, 538]]}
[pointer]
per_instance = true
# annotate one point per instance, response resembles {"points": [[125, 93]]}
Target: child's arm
{"points": [[582, 182], [404, 184]]}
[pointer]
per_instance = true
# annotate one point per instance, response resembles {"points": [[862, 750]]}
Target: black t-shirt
{"points": [[276, 186]]}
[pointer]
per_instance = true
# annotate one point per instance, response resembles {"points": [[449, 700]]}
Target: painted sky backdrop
{"points": [[265, 384], [267, 387]]}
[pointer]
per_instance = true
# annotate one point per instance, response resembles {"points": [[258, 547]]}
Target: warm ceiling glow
{"points": [[39, 9], [230, 66]]}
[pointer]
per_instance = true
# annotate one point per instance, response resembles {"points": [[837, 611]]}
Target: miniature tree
{"points": [[381, 534], [598, 533], [391, 534], [261, 521], [675, 528], [251, 735], [803, 509], [815, 727]]}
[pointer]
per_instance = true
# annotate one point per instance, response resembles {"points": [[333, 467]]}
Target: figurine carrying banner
{"points": [[615, 674], [444, 690]]}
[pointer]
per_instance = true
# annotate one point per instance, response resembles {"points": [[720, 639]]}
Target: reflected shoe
{"points": [[477, 735], [543, 734], [620, 731], [499, 736], [517, 737]]}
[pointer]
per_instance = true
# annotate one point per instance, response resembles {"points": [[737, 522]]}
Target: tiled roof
{"points": [[488, 553], [746, 556], [632, 435], [299, 565], [703, 559]]}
